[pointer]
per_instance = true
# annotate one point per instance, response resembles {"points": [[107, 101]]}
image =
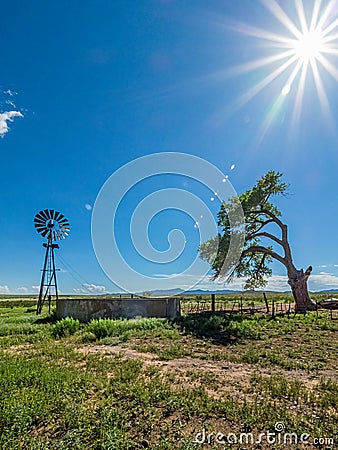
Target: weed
{"points": [[65, 327]]}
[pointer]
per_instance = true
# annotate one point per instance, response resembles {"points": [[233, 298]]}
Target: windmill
{"points": [[53, 226]]}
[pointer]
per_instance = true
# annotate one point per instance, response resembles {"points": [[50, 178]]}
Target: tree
{"points": [[262, 242]]}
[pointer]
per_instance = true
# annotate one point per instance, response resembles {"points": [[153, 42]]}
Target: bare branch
{"points": [[267, 235], [261, 263], [308, 272], [270, 214], [267, 251], [263, 223]]}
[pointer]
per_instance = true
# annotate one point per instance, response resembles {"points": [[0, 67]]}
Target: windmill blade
{"points": [[41, 216], [39, 222], [60, 228], [57, 216], [38, 217], [47, 212], [63, 221], [40, 225]]}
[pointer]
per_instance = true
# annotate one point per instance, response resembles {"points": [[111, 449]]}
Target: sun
{"points": [[309, 45]]}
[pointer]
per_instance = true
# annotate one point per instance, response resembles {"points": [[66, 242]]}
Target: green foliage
{"points": [[229, 326], [103, 328], [65, 327]]}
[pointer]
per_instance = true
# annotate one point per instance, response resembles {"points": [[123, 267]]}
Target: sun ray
{"points": [[282, 17], [325, 14], [321, 91], [261, 33], [294, 73], [299, 95], [265, 82], [330, 68], [270, 117], [330, 51], [330, 28], [252, 92], [315, 14], [278, 103], [258, 63], [301, 15], [330, 39]]}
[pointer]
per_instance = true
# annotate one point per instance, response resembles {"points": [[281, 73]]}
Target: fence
{"points": [[250, 305]]}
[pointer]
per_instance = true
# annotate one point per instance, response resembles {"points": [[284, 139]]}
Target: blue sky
{"points": [[86, 87]]}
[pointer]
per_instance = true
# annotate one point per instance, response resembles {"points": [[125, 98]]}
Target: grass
{"points": [[63, 386]]}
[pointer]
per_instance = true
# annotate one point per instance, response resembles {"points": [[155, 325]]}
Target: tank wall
{"points": [[87, 309]]}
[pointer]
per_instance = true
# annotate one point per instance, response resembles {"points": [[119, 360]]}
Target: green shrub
{"points": [[116, 327], [65, 327]]}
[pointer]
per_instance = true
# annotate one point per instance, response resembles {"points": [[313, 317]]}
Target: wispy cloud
{"points": [[22, 289], [5, 117], [4, 289], [323, 281], [92, 288], [323, 266]]}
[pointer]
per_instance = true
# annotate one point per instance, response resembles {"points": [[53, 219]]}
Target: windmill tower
{"points": [[53, 226]]}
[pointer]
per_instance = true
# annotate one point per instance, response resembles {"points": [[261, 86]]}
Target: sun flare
{"points": [[308, 45]]}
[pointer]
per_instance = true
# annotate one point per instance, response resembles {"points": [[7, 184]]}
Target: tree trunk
{"points": [[298, 283]]}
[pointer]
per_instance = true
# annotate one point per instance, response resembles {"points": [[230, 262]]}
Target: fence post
{"points": [[213, 303], [266, 303], [273, 308]]}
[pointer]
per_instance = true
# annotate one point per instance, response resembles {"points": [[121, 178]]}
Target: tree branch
{"points": [[267, 251], [267, 235], [270, 214], [308, 272], [261, 264], [263, 223], [284, 229]]}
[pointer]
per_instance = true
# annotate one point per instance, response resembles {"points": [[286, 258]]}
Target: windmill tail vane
{"points": [[53, 226]]}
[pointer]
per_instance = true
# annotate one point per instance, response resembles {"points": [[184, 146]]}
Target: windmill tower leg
{"points": [[48, 278], [43, 276]]}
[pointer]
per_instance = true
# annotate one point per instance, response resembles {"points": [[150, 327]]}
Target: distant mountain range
{"points": [[328, 290], [177, 291], [160, 292]]}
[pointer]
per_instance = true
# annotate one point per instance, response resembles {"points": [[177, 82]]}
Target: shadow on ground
{"points": [[221, 329]]}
